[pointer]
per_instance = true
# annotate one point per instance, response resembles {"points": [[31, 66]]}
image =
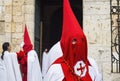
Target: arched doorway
{"points": [[49, 12]]}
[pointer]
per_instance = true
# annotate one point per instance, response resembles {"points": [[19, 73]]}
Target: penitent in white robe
{"points": [[9, 68], [55, 72], [34, 71]]}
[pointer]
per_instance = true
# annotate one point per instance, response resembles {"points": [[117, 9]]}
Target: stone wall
{"points": [[96, 22], [14, 14], [2, 23]]}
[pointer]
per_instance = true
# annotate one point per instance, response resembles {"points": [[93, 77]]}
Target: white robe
{"points": [[34, 71], [94, 65], [9, 68], [54, 53], [3, 73], [44, 64], [55, 72]]}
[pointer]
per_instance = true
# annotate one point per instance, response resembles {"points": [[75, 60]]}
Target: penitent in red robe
{"points": [[28, 60]]}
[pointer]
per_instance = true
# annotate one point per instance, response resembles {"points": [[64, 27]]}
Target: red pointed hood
{"points": [[27, 42], [72, 31]]}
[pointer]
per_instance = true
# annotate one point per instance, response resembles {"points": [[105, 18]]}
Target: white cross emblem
{"points": [[80, 68]]}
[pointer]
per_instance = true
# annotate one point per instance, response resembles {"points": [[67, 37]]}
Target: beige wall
{"points": [[98, 31], [13, 15]]}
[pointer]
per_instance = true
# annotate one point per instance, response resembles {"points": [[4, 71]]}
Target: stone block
{"points": [[106, 26], [106, 38], [2, 27], [1, 2], [2, 16], [94, 52], [23, 9], [7, 27], [29, 2], [94, 37], [2, 39], [19, 18], [96, 8], [106, 55], [29, 17], [92, 22], [15, 48], [14, 41], [8, 17], [13, 27], [17, 10], [7, 2], [8, 9], [18, 2], [106, 71], [17, 41], [19, 27], [0, 9], [29, 9], [3, 9], [8, 37], [17, 35]]}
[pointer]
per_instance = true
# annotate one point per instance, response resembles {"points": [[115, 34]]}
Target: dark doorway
{"points": [[49, 14]]}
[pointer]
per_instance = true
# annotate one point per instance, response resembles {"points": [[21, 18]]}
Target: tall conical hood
{"points": [[72, 32], [27, 42]]}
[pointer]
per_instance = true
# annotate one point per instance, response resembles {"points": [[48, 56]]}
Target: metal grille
{"points": [[115, 35]]}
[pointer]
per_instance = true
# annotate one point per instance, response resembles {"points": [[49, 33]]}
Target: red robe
{"points": [[22, 59]]}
